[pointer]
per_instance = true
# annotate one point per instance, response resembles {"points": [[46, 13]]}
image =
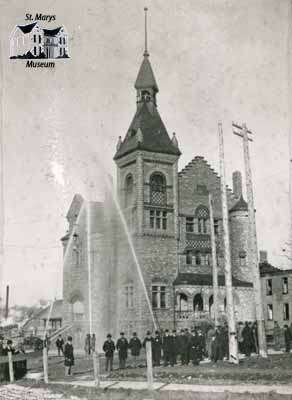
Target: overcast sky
{"points": [[213, 60]]}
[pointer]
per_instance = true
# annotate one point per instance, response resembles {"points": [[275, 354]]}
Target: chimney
{"points": [[263, 256], [237, 184]]}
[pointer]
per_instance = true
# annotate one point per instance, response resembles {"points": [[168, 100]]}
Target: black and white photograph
{"points": [[145, 199]]}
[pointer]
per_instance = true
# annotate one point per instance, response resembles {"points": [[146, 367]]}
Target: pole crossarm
{"points": [[253, 247], [240, 133]]}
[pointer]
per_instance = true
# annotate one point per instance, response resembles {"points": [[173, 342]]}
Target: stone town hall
{"points": [[167, 216]]}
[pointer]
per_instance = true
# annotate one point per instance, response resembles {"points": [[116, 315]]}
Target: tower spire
{"points": [[146, 54]]}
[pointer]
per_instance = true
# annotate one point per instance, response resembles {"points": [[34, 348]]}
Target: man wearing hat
{"points": [[109, 349], [183, 347], [69, 356], [135, 347], [166, 345], [174, 348], [157, 346], [122, 347]]}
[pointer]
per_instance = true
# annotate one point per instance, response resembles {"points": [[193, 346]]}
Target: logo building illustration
{"points": [[31, 41]]}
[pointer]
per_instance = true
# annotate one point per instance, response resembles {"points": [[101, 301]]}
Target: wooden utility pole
{"points": [[233, 348], [253, 247], [214, 262], [45, 362], [10, 366]]}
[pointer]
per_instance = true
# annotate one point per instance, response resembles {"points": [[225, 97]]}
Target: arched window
{"points": [[182, 302], [78, 310], [198, 302], [129, 190], [157, 189], [202, 215]]}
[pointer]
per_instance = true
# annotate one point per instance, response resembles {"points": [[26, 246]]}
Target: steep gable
{"points": [[196, 180]]}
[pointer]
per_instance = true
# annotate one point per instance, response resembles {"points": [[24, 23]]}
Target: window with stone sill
{"points": [[286, 312], [158, 219], [270, 312], [129, 296], [242, 258], [269, 287], [205, 259], [202, 215], [198, 258], [190, 224], [189, 257], [158, 296], [285, 285]]}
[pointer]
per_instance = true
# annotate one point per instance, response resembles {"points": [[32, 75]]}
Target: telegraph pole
{"points": [[214, 262], [243, 133], [233, 348]]}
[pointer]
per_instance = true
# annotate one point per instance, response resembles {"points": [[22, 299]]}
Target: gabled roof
{"points": [[240, 205], [145, 78], [52, 32], [27, 28], [206, 280], [154, 134]]}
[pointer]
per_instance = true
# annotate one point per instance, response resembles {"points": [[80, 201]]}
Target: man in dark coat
{"points": [[157, 346], [135, 347], [183, 347], [174, 348], [194, 346], [166, 345], [60, 345], [122, 347], [202, 344], [109, 349], [216, 354], [189, 336], [69, 356], [247, 339], [287, 337]]}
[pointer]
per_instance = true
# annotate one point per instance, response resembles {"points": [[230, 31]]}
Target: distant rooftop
{"points": [[269, 269]]}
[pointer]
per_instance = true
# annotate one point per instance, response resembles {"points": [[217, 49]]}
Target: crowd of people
{"points": [[187, 346]]}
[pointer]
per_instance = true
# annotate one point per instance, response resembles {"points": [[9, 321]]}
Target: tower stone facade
{"points": [[150, 250]]}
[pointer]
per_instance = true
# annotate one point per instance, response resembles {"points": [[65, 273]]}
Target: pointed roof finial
{"points": [[146, 54]]}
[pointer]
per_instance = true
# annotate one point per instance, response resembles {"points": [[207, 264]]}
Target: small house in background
{"points": [[276, 294], [36, 325]]}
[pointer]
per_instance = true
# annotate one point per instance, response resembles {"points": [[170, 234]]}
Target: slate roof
{"points": [[206, 280], [240, 205], [27, 28], [155, 136], [52, 32], [146, 78], [269, 269]]}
